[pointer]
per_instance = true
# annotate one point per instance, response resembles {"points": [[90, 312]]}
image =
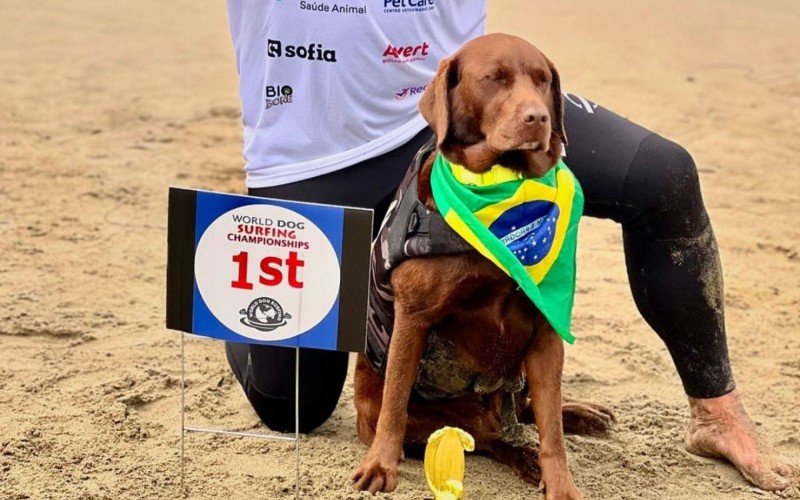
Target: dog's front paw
{"points": [[378, 471], [563, 489]]}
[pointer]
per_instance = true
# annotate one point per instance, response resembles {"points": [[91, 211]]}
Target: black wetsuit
{"points": [[630, 175]]}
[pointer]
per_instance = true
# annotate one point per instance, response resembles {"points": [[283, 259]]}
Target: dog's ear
{"points": [[434, 105], [558, 103]]}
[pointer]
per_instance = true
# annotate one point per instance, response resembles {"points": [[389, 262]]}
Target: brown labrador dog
{"points": [[497, 100]]}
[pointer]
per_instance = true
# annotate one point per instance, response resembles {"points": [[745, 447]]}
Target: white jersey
{"points": [[327, 84]]}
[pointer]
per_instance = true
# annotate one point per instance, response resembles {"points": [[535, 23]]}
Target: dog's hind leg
{"points": [[523, 459], [580, 417], [477, 414], [585, 418]]}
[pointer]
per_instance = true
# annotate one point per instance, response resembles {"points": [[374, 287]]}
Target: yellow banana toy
{"points": [[444, 462]]}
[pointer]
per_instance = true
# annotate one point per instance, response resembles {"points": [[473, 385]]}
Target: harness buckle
{"points": [[413, 223]]}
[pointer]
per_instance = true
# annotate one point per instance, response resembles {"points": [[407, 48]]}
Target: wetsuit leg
{"points": [[266, 373], [650, 186]]}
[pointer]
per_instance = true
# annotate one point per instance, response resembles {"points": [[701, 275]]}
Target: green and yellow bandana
{"points": [[527, 226]]}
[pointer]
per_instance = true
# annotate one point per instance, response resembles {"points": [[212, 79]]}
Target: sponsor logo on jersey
{"points": [[409, 91], [278, 95], [401, 6], [334, 8], [311, 52], [405, 54]]}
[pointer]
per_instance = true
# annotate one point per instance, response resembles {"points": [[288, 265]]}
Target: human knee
{"points": [[278, 414], [664, 185]]}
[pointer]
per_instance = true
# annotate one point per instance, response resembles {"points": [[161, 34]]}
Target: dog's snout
{"points": [[535, 115]]}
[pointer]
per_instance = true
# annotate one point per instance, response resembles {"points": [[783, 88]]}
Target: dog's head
{"points": [[497, 100]]}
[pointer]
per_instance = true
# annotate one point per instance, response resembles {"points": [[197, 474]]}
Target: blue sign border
{"points": [[329, 219]]}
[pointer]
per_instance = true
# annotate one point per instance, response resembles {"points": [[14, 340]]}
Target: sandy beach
{"points": [[104, 105]]}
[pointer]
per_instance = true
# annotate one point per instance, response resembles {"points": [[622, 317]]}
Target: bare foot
{"points": [[721, 428]]}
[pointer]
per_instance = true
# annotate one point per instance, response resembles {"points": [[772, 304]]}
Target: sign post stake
{"points": [[297, 422], [183, 415], [297, 403]]}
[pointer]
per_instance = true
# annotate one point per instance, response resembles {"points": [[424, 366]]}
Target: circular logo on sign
{"points": [[266, 272], [286, 90], [264, 314]]}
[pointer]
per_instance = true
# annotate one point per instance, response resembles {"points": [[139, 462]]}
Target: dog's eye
{"points": [[495, 77], [539, 77]]}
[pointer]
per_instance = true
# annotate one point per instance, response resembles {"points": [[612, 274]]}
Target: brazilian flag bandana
{"points": [[528, 227]]}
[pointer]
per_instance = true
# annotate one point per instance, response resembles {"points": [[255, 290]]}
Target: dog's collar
{"points": [[497, 174]]}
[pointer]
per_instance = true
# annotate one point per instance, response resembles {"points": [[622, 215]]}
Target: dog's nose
{"points": [[535, 115]]}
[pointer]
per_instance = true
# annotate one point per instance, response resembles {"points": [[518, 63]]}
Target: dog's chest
{"points": [[442, 375], [479, 349]]}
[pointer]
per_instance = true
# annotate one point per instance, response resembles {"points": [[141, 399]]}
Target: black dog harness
{"points": [[408, 230]]}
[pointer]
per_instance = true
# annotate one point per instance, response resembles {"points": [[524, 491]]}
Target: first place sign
{"points": [[265, 271]]}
